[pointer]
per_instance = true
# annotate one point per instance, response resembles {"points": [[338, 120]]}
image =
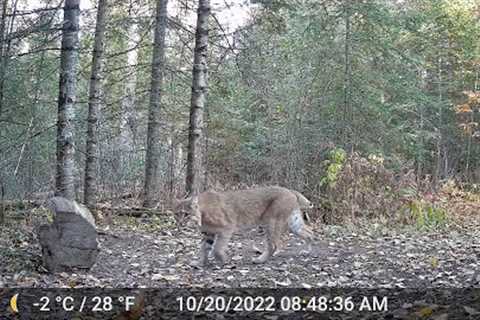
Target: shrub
{"points": [[359, 187], [334, 164], [426, 215]]}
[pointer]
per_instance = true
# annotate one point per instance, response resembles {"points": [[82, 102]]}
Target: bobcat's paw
{"points": [[259, 260], [256, 249], [201, 263], [220, 257]]}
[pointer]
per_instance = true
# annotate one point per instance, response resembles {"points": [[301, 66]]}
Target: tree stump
{"points": [[71, 240]]}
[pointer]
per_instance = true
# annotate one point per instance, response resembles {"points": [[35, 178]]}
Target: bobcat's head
{"points": [[185, 210]]}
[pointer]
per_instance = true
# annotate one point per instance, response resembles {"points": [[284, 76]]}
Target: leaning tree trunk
{"points": [[199, 97], [90, 190], [65, 185], [152, 169]]}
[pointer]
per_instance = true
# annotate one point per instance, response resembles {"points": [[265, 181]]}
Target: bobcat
{"points": [[220, 214]]}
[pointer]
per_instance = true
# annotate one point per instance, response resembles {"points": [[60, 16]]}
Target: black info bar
{"points": [[239, 303]]}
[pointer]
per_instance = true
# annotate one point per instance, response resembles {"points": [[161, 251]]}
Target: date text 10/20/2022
{"points": [[285, 303]]}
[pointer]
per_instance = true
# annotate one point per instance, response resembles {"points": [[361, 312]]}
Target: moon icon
{"points": [[13, 303]]}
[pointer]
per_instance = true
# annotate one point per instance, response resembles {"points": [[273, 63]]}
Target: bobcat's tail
{"points": [[296, 221], [297, 225]]}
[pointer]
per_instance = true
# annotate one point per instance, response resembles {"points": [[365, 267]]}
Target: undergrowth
{"points": [[356, 188]]}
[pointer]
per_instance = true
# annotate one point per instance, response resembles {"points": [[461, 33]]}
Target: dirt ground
{"points": [[139, 252], [153, 253]]}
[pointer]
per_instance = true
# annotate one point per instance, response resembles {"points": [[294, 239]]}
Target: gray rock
{"points": [[71, 240]]}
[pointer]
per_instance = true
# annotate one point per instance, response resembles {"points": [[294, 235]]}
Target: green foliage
{"points": [[427, 216], [277, 103], [334, 164]]}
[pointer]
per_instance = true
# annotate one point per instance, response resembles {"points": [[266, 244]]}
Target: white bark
{"points": [[3, 22], [179, 163], [65, 185], [197, 104]]}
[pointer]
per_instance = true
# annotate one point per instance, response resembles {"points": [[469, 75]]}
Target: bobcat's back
{"points": [[241, 208]]}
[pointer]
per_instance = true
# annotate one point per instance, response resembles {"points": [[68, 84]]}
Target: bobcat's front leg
{"points": [[205, 248], [221, 244]]}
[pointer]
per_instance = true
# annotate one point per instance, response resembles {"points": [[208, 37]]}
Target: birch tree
{"points": [[152, 169], [198, 100], [3, 22], [94, 108], [3, 19], [65, 185]]}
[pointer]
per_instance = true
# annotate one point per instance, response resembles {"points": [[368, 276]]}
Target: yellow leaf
{"points": [[463, 108], [424, 312]]}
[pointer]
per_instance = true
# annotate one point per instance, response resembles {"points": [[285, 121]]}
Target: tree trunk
{"points": [[5, 47], [153, 132], [438, 162], [3, 22], [127, 123], [179, 174], [2, 204], [90, 190], [197, 104], [347, 83], [65, 185], [125, 144]]}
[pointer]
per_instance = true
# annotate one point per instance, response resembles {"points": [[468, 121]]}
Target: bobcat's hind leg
{"points": [[206, 247], [269, 248], [221, 244]]}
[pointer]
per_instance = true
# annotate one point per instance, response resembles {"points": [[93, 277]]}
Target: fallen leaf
{"points": [[424, 312], [285, 283], [471, 311], [167, 277], [442, 316]]}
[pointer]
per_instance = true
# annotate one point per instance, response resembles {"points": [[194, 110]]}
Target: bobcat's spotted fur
{"points": [[220, 214]]}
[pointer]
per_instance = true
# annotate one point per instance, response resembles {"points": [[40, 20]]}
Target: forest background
{"points": [[369, 108]]}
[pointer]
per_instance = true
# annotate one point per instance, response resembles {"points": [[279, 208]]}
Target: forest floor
{"points": [[140, 252]]}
